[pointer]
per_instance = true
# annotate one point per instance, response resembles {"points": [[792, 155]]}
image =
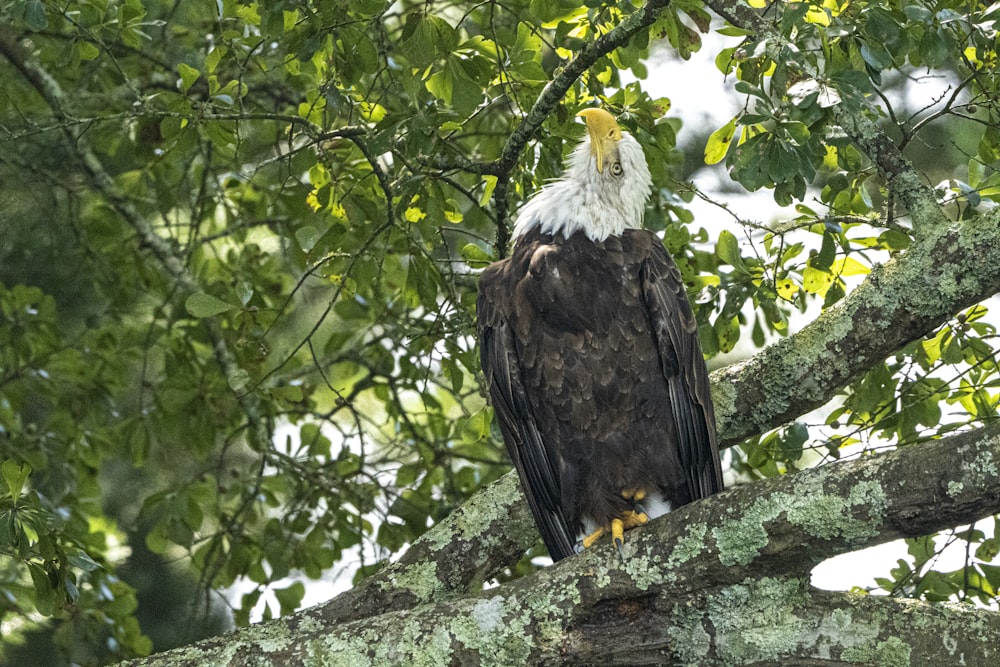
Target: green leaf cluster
{"points": [[919, 575], [58, 548]]}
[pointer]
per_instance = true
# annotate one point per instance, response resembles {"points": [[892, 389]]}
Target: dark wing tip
{"points": [[684, 368], [527, 450]]}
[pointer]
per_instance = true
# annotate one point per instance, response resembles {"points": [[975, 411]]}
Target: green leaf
{"points": [[490, 184], [213, 58], [206, 305], [786, 288], [440, 85], [727, 330], [313, 439], [307, 236], [728, 250], [827, 253], [894, 239], [992, 574], [392, 536], [87, 51], [876, 56], [466, 93], [792, 441], [475, 256], [15, 475], [917, 13], [426, 37], [170, 127], [408, 473], [719, 142], [421, 285], [45, 592], [83, 561], [453, 86], [291, 393], [291, 597], [188, 76], [35, 18], [238, 379], [816, 281], [547, 10], [222, 133]]}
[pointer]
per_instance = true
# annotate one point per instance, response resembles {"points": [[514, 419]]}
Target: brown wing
{"points": [[684, 368], [534, 461]]}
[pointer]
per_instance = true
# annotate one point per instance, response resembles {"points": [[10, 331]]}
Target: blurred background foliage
{"points": [[238, 253]]}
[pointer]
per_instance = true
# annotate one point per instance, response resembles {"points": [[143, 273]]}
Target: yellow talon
{"points": [[633, 519], [589, 540], [626, 521], [635, 495], [618, 536]]}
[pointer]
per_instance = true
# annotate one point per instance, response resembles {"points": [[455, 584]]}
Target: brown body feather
{"points": [[591, 352]]}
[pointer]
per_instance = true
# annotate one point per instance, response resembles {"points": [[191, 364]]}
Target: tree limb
{"points": [[489, 532], [694, 585], [907, 297], [169, 261]]}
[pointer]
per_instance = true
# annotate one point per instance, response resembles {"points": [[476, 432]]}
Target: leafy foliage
{"points": [[244, 242], [845, 56]]}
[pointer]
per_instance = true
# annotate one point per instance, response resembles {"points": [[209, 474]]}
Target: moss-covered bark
{"points": [[757, 622], [720, 582], [483, 536], [900, 301]]}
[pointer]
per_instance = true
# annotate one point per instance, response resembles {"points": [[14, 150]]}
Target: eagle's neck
{"points": [[585, 200]]}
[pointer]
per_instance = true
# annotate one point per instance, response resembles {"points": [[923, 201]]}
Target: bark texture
{"points": [[902, 300], [724, 581]]}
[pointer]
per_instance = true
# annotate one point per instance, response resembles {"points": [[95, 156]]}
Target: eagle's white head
{"points": [[603, 190]]}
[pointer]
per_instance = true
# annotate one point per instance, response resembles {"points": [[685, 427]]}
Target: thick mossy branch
{"points": [[781, 621], [721, 581], [486, 534], [766, 621], [907, 297]]}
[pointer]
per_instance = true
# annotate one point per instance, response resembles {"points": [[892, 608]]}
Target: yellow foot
{"points": [[627, 521], [632, 519], [635, 495], [619, 525], [618, 536], [589, 540]]}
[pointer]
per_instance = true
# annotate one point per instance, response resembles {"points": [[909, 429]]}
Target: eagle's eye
{"points": [[616, 169]]}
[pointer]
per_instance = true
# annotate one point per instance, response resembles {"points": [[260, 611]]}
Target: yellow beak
{"points": [[604, 133]]}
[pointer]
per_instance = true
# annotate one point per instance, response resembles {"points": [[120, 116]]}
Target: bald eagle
{"points": [[590, 350]]}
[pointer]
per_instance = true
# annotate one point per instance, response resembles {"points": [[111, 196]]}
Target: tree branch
{"points": [[899, 302], [738, 625], [694, 583], [170, 262], [488, 533]]}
